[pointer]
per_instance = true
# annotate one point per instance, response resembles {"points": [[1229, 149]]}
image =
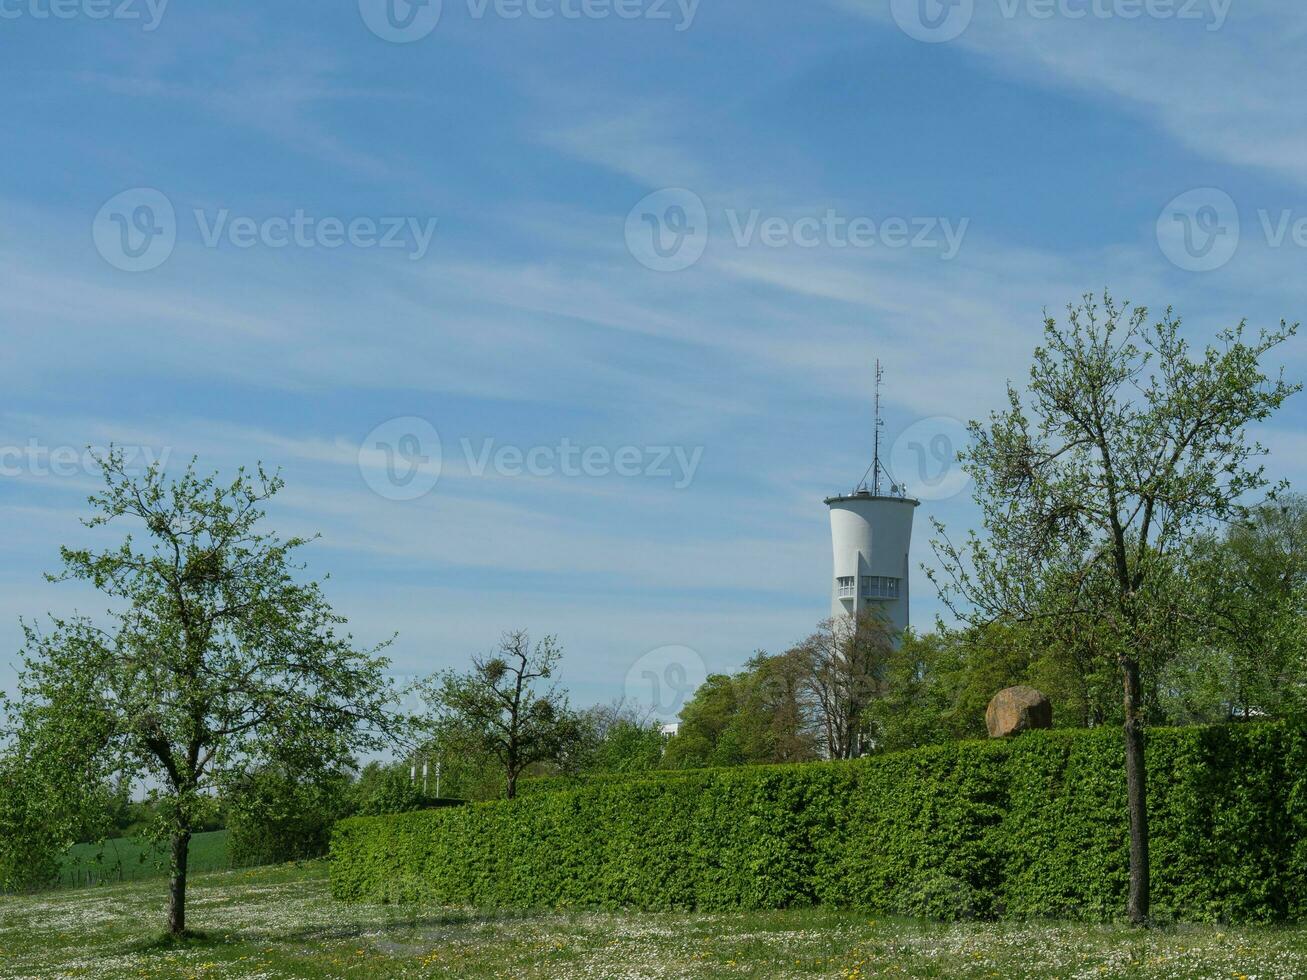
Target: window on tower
{"points": [[879, 587], [845, 584]]}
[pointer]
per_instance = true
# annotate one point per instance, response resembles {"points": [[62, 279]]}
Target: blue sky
{"points": [[832, 182]]}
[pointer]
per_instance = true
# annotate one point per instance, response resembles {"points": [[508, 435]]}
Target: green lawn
{"points": [[281, 922], [129, 858]]}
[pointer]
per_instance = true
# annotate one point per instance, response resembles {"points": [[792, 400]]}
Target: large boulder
{"points": [[1017, 709]]}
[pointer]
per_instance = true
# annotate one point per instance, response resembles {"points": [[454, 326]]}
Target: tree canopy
{"points": [[215, 659], [1124, 446]]}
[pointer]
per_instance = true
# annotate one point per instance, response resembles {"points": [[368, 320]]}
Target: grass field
{"points": [[129, 858], [281, 922]]}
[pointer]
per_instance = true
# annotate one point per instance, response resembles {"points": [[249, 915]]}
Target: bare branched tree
{"points": [[500, 706], [843, 670]]}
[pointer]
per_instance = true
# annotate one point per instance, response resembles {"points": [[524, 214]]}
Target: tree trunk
{"points": [[181, 845], [512, 784], [1136, 794]]}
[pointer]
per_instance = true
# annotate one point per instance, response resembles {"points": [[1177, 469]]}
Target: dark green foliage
{"points": [[383, 789], [274, 817], [752, 717], [1028, 827], [29, 841], [617, 741], [1252, 586]]}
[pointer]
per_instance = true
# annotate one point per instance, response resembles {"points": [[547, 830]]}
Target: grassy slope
{"points": [[281, 922], [120, 859]]}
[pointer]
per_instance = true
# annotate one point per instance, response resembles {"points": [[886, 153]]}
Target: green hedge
{"points": [[1033, 826], [535, 785]]}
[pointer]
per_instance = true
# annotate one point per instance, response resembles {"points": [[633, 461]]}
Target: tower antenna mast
{"points": [[876, 469], [875, 459]]}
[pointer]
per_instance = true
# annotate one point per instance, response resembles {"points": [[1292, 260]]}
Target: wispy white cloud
{"points": [[1223, 80]]}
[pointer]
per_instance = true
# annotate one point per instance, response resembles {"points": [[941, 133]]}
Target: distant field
{"points": [[129, 858], [281, 922]]}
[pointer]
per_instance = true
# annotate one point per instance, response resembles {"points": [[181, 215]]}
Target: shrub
{"points": [[39, 819], [1033, 826], [384, 789], [274, 817]]}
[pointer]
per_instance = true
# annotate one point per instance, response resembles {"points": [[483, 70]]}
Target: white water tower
{"points": [[871, 533]]}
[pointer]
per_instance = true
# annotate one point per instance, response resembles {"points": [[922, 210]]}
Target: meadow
{"points": [[131, 858], [281, 922]]}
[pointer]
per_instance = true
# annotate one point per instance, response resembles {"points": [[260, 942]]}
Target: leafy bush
{"points": [[29, 850], [1033, 826], [42, 811], [384, 789], [274, 817]]}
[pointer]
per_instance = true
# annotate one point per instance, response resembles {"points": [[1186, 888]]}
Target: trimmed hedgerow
{"points": [[535, 785], [1032, 826]]}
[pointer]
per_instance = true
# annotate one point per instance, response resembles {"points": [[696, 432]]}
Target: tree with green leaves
{"points": [[617, 738], [705, 736], [1253, 583], [507, 706], [216, 658], [774, 724], [756, 716], [924, 679], [1123, 447]]}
